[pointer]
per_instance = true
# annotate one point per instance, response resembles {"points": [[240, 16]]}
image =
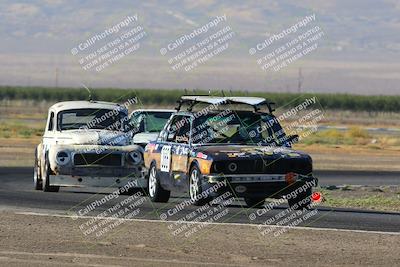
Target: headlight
{"points": [[232, 167], [63, 158], [135, 157]]}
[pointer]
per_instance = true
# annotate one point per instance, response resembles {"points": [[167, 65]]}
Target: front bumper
{"points": [[260, 178], [97, 181], [104, 171], [98, 176], [260, 185]]}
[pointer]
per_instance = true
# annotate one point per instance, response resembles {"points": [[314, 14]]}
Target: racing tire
{"points": [[156, 192], [37, 177], [195, 188], [46, 187], [254, 202], [301, 201]]}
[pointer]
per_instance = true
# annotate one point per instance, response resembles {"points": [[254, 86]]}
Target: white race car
{"points": [[86, 144], [148, 123]]}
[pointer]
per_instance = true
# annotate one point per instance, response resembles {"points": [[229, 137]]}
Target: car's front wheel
{"points": [[37, 179], [197, 196], [156, 192], [46, 187]]}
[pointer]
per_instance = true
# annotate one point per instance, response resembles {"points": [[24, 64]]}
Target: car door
{"points": [[174, 148], [49, 133], [49, 137], [180, 153]]}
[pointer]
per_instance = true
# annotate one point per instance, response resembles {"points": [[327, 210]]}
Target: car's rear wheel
{"points": [[301, 201], [156, 192], [252, 202], [37, 179], [195, 188], [46, 187]]}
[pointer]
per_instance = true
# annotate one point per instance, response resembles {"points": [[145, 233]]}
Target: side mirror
{"points": [[171, 136], [162, 136], [292, 139]]}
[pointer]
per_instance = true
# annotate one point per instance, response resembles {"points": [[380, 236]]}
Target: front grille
{"points": [[285, 165], [97, 159], [265, 166], [243, 166]]}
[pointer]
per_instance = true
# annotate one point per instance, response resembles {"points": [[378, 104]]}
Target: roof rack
{"points": [[255, 102]]}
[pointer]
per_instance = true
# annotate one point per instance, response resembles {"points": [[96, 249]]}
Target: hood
{"points": [[145, 138], [93, 137], [223, 152], [255, 159]]}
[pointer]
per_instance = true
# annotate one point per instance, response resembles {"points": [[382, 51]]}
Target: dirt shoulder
{"points": [[342, 157], [47, 241]]}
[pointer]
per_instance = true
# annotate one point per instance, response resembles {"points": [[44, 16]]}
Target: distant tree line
{"points": [[371, 103]]}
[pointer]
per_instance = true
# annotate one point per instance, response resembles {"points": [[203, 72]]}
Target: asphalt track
{"points": [[16, 193]]}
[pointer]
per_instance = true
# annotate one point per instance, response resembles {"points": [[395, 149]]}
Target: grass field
{"points": [[376, 103], [23, 113], [26, 119], [384, 198]]}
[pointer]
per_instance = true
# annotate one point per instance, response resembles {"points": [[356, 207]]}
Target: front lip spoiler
{"points": [[258, 178]]}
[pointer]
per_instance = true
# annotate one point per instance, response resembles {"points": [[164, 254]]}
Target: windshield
{"points": [[240, 128], [155, 121], [110, 119], [150, 121]]}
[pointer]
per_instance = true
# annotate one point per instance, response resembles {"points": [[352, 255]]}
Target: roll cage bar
{"points": [[256, 102]]}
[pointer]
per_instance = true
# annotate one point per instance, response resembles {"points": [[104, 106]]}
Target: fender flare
{"points": [[193, 163]]}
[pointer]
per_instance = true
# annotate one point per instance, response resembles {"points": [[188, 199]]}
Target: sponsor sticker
{"points": [[165, 158]]}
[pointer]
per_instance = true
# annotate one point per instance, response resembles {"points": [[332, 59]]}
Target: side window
{"points": [[183, 133], [51, 122], [172, 128], [178, 130], [163, 136], [135, 122]]}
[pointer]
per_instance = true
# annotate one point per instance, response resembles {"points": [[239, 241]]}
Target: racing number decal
{"points": [[165, 158]]}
